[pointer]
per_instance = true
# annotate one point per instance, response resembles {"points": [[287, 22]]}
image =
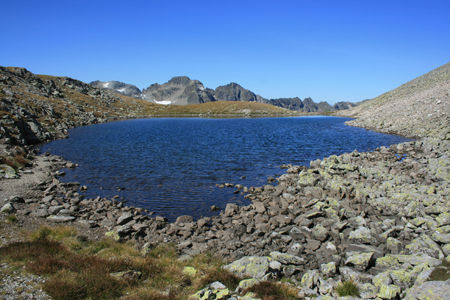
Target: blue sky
{"points": [[327, 50]]}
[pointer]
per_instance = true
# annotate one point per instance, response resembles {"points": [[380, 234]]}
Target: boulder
{"points": [[250, 267]]}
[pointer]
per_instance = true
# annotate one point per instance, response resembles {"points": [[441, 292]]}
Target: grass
{"points": [[268, 290], [76, 268], [12, 218], [347, 288]]}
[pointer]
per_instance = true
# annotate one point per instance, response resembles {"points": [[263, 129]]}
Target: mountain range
{"points": [[181, 90]]}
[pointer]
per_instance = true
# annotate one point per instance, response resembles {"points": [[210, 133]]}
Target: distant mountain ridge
{"points": [[181, 90]]}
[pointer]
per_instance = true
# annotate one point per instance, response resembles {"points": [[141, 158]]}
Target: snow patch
{"points": [[106, 84], [163, 102], [121, 90]]}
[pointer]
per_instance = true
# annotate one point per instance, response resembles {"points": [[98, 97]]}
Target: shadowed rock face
{"points": [[235, 92], [307, 105], [180, 90], [120, 87]]}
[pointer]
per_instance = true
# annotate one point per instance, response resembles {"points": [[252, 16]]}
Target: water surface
{"points": [[171, 166]]}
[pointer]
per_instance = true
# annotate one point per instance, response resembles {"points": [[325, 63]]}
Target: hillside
{"points": [[418, 108]]}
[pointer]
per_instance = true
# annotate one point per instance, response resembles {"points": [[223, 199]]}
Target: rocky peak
{"points": [[119, 87], [235, 92]]}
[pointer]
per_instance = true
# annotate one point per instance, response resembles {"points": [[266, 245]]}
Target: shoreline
{"points": [[306, 214]]}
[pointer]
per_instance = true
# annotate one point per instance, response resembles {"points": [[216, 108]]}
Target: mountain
{"points": [[307, 105], [344, 105], [120, 87], [235, 92], [418, 108], [180, 90]]}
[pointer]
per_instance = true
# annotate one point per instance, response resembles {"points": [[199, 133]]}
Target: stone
{"points": [[60, 219], [129, 275], [389, 291], [53, 210], [441, 238], [309, 279], [393, 245], [360, 260], [438, 290], [402, 278], [8, 208], [112, 234], [328, 269], [190, 271], [246, 284], [7, 172], [383, 278], [295, 249], [41, 212], [320, 233], [124, 219], [259, 207], [184, 219], [312, 245], [249, 266], [217, 285], [275, 265], [361, 235], [287, 259]]}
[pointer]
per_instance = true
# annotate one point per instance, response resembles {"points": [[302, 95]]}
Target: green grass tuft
{"points": [[268, 290], [347, 288]]}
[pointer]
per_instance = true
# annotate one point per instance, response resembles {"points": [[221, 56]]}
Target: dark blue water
{"points": [[172, 166]]}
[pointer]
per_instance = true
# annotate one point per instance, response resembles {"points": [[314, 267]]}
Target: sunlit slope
{"points": [[417, 108]]}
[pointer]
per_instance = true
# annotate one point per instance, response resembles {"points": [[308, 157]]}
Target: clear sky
{"points": [[327, 50]]}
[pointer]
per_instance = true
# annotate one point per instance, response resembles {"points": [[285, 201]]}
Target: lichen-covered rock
{"points": [[383, 278], [360, 260], [310, 279], [328, 269], [388, 291], [436, 290], [246, 284], [361, 235], [286, 259], [7, 208], [250, 266], [189, 271], [112, 234], [7, 172]]}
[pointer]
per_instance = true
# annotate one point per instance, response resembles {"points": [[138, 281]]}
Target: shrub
{"points": [[347, 288]]}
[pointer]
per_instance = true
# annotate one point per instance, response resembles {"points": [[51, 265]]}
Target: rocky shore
{"points": [[380, 219]]}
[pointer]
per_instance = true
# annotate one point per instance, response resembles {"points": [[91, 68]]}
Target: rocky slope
{"points": [[420, 107]]}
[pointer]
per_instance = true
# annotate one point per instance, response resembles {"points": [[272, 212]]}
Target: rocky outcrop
{"points": [[119, 87], [179, 90]]}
